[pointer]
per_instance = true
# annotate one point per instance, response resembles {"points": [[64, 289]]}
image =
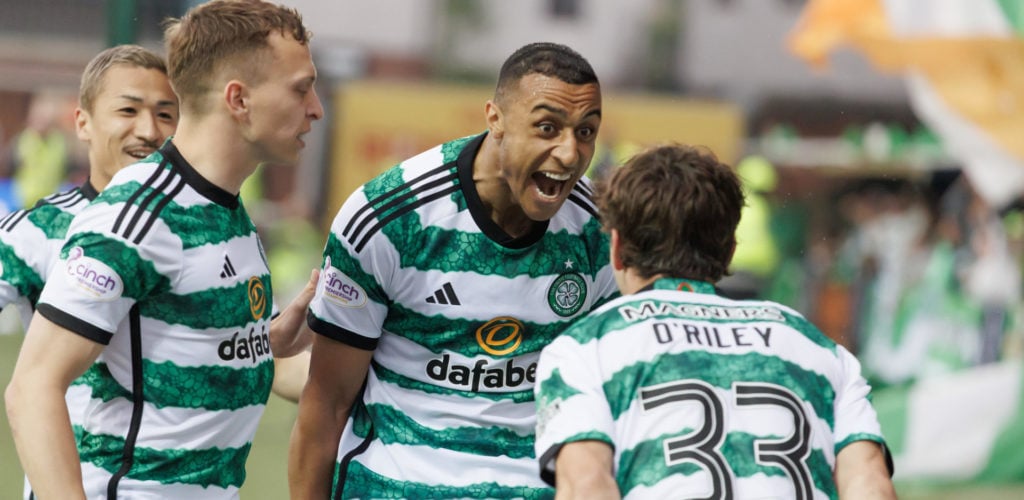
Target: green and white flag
{"points": [[964, 64], [963, 427]]}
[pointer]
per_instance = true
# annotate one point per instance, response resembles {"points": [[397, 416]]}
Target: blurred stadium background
{"points": [[879, 141]]}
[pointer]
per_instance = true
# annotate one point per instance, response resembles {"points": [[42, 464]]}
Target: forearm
{"points": [[45, 443], [313, 449], [290, 376], [289, 334]]}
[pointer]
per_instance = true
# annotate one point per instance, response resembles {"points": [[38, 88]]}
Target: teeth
{"points": [[557, 177], [546, 196]]}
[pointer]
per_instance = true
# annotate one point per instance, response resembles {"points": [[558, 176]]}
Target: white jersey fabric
{"points": [[167, 270], [456, 312], [703, 397]]}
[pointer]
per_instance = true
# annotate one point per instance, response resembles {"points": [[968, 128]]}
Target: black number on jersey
{"points": [[703, 445]]}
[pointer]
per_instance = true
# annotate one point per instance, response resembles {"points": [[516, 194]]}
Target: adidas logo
{"points": [[228, 270], [444, 295]]}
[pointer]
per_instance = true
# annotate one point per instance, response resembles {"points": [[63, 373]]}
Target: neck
{"points": [[223, 159], [98, 179], [632, 282], [494, 192]]}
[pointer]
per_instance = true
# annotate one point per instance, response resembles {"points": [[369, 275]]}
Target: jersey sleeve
{"points": [[855, 417], [101, 273], [351, 303], [571, 403], [24, 257]]}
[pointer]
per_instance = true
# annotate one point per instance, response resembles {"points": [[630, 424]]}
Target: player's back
{"points": [[711, 397]]}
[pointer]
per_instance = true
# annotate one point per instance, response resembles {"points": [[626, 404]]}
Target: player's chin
{"points": [[543, 211]]}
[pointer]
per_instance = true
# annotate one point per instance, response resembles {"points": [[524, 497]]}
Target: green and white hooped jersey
{"points": [[167, 270], [703, 397], [457, 313], [30, 242]]}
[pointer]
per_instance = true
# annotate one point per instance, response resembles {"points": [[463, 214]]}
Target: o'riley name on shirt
{"points": [[666, 332]]}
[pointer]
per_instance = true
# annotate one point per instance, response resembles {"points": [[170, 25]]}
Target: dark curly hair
{"points": [[676, 209]]}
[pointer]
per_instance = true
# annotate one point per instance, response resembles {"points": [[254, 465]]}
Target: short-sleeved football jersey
{"points": [[457, 313], [30, 242], [167, 270], [703, 397]]}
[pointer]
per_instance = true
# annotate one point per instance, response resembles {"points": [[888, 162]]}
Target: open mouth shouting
{"points": [[551, 186]]}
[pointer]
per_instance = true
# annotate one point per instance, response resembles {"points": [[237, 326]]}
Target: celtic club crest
{"points": [[567, 294]]}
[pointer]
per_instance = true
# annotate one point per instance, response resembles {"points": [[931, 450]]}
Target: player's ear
{"points": [[236, 98], [495, 119], [83, 124]]}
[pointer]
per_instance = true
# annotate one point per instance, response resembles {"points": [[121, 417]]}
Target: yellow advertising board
{"points": [[378, 124]]}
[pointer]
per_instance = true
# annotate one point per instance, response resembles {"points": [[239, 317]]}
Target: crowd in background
{"points": [[913, 272]]}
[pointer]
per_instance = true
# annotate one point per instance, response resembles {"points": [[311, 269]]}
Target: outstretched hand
{"points": [[289, 334]]}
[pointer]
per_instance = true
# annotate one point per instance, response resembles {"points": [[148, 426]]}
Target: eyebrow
{"points": [[561, 112], [139, 100]]}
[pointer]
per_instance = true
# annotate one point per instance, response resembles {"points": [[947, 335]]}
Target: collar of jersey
{"points": [[683, 285]]}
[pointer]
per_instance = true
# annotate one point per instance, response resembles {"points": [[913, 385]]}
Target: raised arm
{"points": [[50, 359], [336, 376]]}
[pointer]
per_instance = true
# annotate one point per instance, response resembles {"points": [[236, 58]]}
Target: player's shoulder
{"points": [[50, 215], [782, 314], [147, 175], [602, 320], [415, 186], [579, 209]]}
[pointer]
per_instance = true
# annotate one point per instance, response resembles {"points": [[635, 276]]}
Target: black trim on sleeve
{"points": [[345, 336], [548, 474], [65, 320]]}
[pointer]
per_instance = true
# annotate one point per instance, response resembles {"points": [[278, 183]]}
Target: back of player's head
{"points": [[224, 36], [126, 55], [676, 209], [548, 59]]}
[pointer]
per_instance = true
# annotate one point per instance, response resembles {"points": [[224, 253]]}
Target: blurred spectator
{"points": [[931, 274], [757, 255], [40, 151], [8, 197]]}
